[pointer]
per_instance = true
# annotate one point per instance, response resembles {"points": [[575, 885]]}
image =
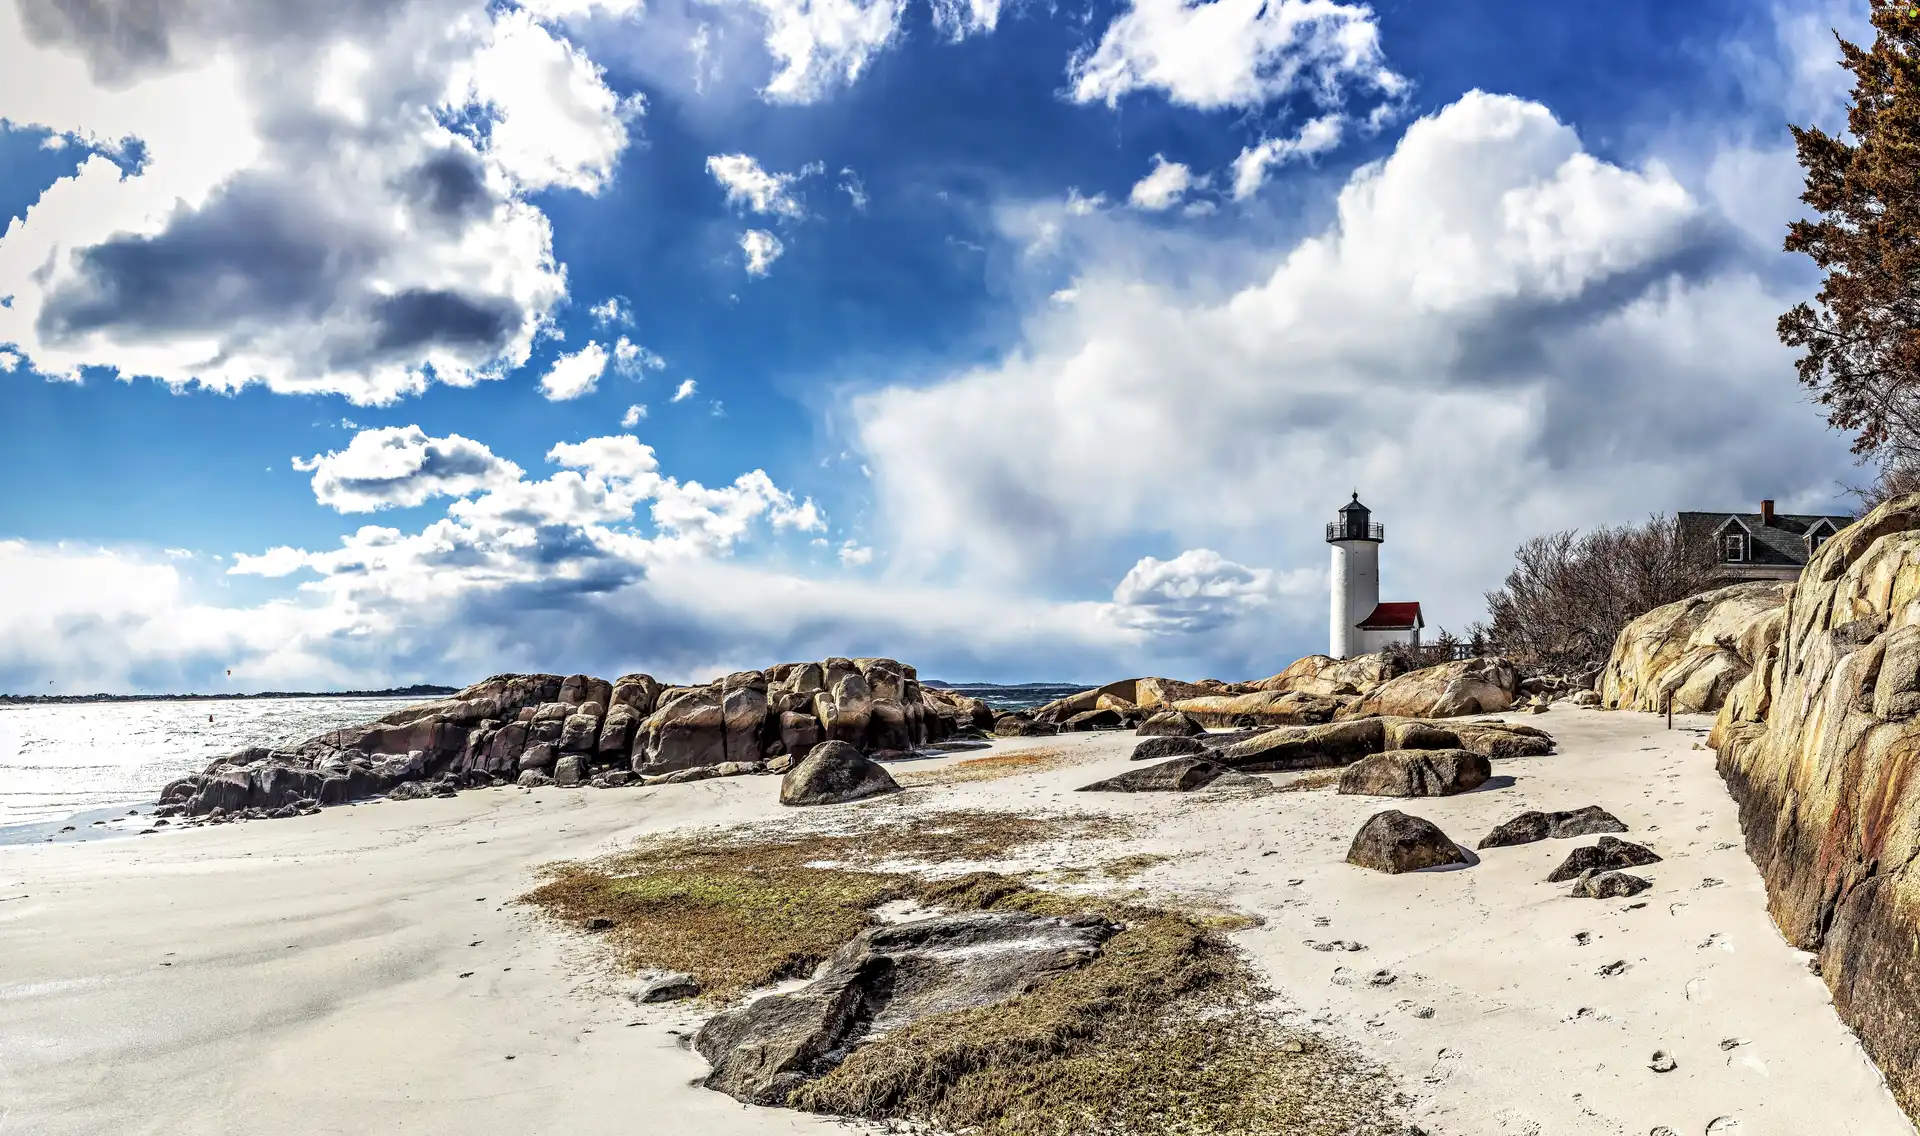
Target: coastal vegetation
{"points": [[1166, 1030]]}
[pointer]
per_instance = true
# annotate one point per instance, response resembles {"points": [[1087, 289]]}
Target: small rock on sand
{"points": [[1608, 855], [1531, 826], [1608, 885]]}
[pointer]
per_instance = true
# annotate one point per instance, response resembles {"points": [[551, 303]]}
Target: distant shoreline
{"points": [[417, 691]]}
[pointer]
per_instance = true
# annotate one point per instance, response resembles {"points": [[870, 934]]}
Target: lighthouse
{"points": [[1358, 623]]}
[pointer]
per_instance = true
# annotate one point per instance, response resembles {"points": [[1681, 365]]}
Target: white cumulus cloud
{"points": [[684, 391], [401, 466], [762, 249], [635, 414], [1164, 185], [574, 375], [1251, 168], [751, 187], [1212, 54]]}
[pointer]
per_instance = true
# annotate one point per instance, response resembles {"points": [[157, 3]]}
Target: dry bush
{"points": [[1570, 593], [985, 768]]}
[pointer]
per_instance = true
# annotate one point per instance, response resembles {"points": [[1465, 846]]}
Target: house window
{"points": [[1818, 539], [1733, 547]]}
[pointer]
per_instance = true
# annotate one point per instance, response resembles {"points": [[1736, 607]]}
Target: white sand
{"points": [[305, 976]]}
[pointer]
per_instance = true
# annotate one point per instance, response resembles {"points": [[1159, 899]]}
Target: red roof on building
{"points": [[1394, 617]]}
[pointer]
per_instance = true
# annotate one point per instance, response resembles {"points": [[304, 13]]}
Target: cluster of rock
{"points": [[1314, 690], [552, 729], [1818, 744], [1395, 842], [1688, 656]]}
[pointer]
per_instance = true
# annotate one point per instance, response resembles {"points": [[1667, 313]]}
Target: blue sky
{"points": [[996, 346]]}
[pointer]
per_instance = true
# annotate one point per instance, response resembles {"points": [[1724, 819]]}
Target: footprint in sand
{"points": [[1724, 1126], [1697, 989], [1618, 966], [1582, 938]]}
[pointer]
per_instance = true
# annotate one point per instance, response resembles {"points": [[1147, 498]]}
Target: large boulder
{"points": [[834, 772], [1466, 686], [1326, 676], [886, 980], [1416, 773], [1486, 737], [1022, 726], [1395, 842], [1264, 708], [1690, 654], [1159, 749], [1819, 745], [1307, 747], [1181, 775], [1169, 723]]}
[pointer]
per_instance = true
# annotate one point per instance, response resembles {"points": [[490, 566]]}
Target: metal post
{"points": [[1669, 710], [723, 719]]}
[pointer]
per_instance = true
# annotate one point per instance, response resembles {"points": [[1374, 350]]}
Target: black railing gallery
{"points": [[1340, 530]]}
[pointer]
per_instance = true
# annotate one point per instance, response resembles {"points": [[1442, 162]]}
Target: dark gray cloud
{"points": [[253, 253]]}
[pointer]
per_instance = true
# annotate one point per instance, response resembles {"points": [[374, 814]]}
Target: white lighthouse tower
{"points": [[1356, 544], [1358, 623]]}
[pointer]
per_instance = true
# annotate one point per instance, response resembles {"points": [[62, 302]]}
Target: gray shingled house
{"points": [[1760, 546]]}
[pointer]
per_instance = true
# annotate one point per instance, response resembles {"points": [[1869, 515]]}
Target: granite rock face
{"points": [[1691, 653], [578, 729], [1469, 686], [1819, 745]]}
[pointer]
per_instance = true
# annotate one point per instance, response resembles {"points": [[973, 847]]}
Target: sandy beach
{"points": [[364, 969]]}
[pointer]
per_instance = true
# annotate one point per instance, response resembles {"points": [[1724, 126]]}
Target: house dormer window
{"points": [[1816, 540], [1733, 547]]}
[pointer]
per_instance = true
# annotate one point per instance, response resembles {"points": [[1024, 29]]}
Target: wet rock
{"points": [[1610, 854], [1395, 842], [1416, 773], [883, 981], [1531, 826], [1181, 775], [834, 772]]}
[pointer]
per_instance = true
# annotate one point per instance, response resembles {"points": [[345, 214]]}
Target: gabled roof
{"points": [[1784, 542], [1393, 617]]}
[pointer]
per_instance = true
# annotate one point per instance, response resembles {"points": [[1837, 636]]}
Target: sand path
{"points": [[359, 971]]}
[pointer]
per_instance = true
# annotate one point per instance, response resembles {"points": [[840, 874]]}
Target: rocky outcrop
{"points": [[1264, 708], [1328, 677], [1529, 827], [1819, 745], [833, 774], [1691, 653], [1469, 686], [886, 980], [1395, 842], [1342, 743], [581, 730], [1416, 773]]}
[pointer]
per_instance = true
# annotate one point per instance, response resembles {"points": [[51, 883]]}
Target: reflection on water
{"points": [[58, 760]]}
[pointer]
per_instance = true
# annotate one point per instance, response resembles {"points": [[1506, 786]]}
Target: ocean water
{"points": [[57, 761]]}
